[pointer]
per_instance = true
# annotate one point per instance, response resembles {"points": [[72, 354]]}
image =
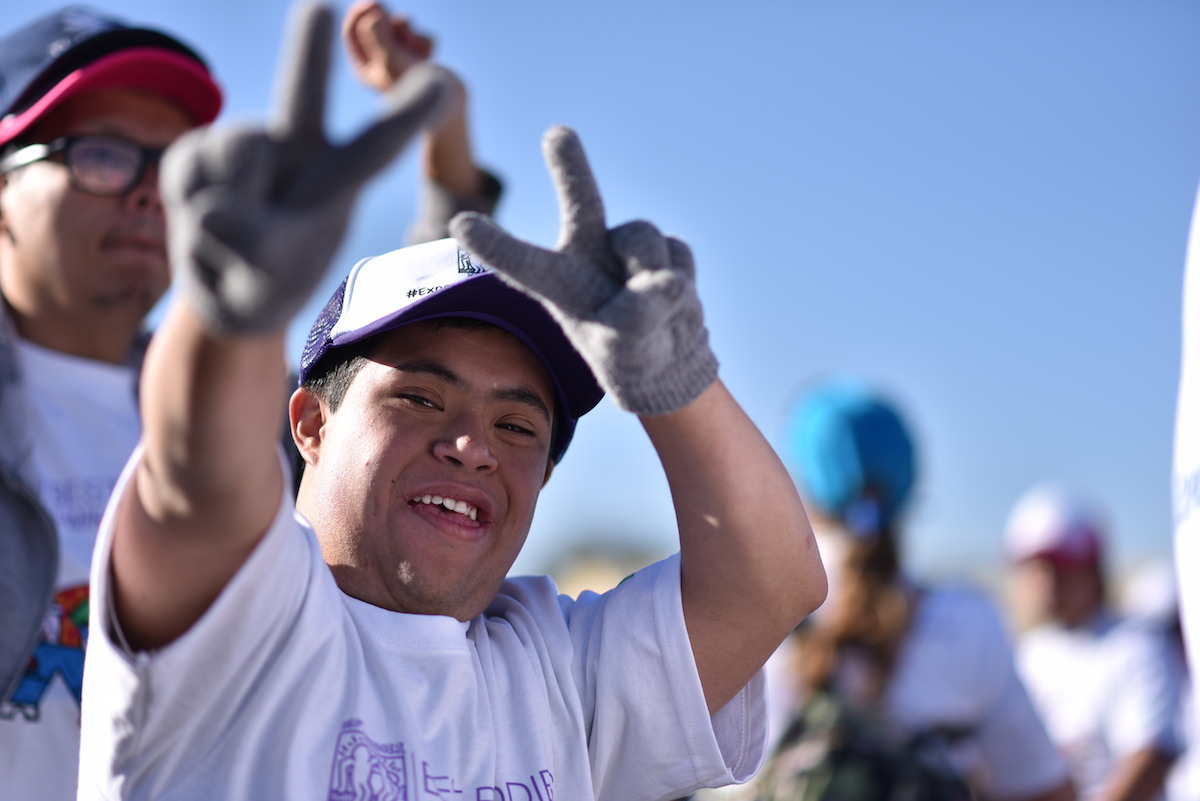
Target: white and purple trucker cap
{"points": [[441, 279]]}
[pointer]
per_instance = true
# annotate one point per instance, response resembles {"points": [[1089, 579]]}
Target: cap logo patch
{"points": [[466, 266]]}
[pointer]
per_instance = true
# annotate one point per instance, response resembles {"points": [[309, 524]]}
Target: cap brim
{"points": [[1062, 561], [169, 74], [1059, 555]]}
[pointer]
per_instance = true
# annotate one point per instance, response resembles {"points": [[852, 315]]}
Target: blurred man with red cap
{"points": [[1104, 686], [87, 106]]}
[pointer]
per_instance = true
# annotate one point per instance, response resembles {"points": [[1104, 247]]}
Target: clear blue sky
{"points": [[983, 207]]}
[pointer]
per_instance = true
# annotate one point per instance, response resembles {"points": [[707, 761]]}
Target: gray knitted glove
{"points": [[256, 215], [625, 297]]}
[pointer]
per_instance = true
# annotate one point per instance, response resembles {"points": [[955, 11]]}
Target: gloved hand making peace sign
{"points": [[255, 215], [626, 297]]}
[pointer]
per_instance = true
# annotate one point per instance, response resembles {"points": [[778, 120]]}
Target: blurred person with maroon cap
{"points": [[87, 106], [1104, 686]]}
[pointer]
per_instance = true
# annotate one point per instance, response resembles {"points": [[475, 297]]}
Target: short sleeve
{"points": [[1143, 715], [650, 731], [147, 709]]}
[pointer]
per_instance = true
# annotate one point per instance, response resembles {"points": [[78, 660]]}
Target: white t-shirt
{"points": [[1105, 691], [956, 667], [83, 424], [287, 688]]}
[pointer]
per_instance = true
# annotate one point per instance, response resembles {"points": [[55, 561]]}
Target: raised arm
{"points": [[750, 567], [382, 48], [627, 299], [255, 217]]}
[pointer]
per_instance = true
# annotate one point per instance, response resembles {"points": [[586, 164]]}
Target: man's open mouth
{"points": [[450, 505]]}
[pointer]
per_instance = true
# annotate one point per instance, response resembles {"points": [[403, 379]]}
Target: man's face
{"points": [[1050, 589], [71, 262], [458, 414]]}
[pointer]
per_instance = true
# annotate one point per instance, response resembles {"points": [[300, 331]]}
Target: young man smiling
{"points": [[401, 530], [365, 642]]}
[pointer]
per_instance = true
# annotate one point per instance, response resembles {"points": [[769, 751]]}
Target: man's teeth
{"points": [[462, 507]]}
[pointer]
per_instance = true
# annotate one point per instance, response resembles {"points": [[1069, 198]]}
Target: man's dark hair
{"points": [[333, 375]]}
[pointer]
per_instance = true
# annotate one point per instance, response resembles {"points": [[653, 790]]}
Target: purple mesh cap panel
{"points": [[318, 336]]}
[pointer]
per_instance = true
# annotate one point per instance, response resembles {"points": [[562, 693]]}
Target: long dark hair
{"points": [[868, 617]]}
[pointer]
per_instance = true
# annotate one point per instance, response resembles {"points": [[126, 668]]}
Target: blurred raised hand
{"points": [[381, 47], [256, 214]]}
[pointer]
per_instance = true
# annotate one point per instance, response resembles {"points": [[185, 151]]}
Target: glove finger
{"points": [[681, 257], [233, 219], [181, 172], [415, 103], [580, 208], [303, 78], [545, 274], [206, 248], [524, 263], [256, 282], [639, 246], [240, 158]]}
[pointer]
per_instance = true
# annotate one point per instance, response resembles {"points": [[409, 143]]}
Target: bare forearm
{"points": [[211, 410], [209, 479], [1138, 777], [256, 216], [448, 157], [750, 567], [382, 48]]}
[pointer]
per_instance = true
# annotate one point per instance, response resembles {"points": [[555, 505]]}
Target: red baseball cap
{"points": [[74, 51]]}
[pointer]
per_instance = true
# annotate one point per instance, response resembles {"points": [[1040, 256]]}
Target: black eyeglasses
{"points": [[97, 165]]}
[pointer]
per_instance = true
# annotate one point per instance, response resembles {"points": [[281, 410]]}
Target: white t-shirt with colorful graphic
{"points": [[288, 688], [83, 424]]}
